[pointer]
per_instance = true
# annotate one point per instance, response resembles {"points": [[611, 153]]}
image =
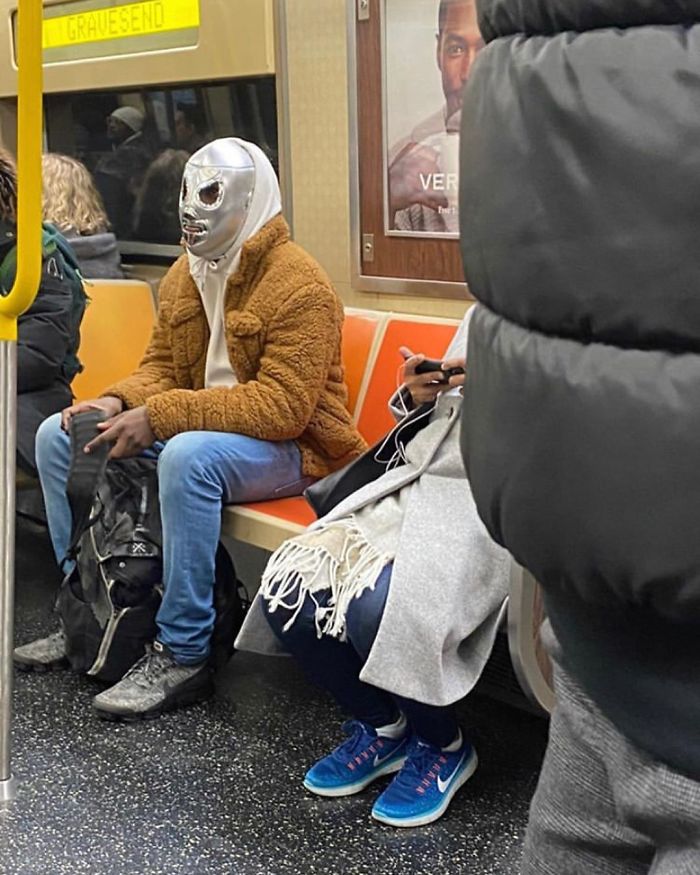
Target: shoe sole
{"points": [[187, 697], [352, 789], [424, 819], [41, 667]]}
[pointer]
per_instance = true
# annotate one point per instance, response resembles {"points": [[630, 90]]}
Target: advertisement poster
{"points": [[429, 48]]}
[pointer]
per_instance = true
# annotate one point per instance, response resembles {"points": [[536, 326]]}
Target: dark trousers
{"points": [[336, 665]]}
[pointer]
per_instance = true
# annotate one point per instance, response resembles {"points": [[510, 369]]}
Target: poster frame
{"points": [[362, 277]]}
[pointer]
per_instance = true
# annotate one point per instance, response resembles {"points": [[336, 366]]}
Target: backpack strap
{"points": [[54, 243], [8, 267], [53, 240], [85, 473]]}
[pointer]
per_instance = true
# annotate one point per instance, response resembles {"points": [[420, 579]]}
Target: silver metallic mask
{"points": [[217, 188]]}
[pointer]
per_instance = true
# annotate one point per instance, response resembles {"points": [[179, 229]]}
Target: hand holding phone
{"points": [[423, 378], [429, 366]]}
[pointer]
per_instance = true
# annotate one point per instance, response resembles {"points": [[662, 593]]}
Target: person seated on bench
{"points": [[72, 203], [393, 613], [240, 392], [47, 334]]}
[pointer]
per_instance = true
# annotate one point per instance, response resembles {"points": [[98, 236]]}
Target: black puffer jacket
{"points": [[48, 337], [580, 236]]}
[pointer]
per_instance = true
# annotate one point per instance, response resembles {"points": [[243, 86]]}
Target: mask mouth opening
{"points": [[193, 230]]}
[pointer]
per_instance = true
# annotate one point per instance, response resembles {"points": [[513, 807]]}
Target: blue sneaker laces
{"points": [[422, 791], [364, 756], [356, 743], [424, 763]]}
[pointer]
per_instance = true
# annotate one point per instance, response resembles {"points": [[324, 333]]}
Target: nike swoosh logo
{"points": [[378, 761], [443, 785]]}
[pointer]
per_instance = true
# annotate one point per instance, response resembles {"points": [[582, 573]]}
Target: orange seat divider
{"points": [[432, 339], [358, 334], [114, 333]]}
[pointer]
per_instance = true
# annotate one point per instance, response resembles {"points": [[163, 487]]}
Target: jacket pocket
{"points": [[245, 341], [189, 335]]}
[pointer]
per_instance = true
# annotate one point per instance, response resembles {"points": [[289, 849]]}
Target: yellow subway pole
{"points": [[19, 299]]}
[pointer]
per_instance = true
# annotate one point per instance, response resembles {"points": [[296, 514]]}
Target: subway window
{"points": [[135, 143]]}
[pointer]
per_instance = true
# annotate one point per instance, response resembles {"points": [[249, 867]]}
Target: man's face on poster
{"points": [[459, 40]]}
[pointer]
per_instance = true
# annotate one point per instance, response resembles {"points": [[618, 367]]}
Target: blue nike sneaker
{"points": [[363, 757], [423, 789]]}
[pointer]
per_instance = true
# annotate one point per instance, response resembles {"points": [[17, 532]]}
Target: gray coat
{"points": [[449, 580], [97, 255]]}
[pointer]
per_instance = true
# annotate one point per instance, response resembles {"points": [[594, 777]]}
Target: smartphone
{"points": [[430, 365]]}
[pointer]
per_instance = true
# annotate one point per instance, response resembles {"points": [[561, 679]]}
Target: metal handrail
{"points": [[19, 299]]}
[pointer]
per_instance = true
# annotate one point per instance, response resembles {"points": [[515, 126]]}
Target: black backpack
{"points": [[108, 602]]}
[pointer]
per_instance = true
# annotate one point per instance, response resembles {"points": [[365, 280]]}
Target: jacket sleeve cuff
{"points": [[160, 415], [130, 396]]}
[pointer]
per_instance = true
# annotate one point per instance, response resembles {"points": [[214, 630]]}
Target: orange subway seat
{"points": [[359, 331], [114, 333], [431, 338]]}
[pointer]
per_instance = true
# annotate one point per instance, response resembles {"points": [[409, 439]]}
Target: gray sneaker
{"points": [[153, 685], [45, 654]]}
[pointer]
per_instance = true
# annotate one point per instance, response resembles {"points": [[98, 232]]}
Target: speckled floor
{"points": [[216, 788]]}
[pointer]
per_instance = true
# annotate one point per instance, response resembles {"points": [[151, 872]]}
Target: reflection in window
{"points": [[135, 143]]}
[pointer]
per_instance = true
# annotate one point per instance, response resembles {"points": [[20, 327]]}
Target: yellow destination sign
{"points": [[120, 22]]}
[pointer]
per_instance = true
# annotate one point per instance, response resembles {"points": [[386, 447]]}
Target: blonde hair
{"points": [[8, 187], [70, 199]]}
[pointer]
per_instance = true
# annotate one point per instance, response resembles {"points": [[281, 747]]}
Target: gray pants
{"points": [[602, 806]]}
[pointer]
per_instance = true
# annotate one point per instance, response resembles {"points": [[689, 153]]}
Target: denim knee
{"points": [[49, 435], [180, 464]]}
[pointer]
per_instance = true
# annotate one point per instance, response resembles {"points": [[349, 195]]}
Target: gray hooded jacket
{"points": [[97, 255]]}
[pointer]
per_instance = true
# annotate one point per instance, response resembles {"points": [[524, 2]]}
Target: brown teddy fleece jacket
{"points": [[283, 333]]}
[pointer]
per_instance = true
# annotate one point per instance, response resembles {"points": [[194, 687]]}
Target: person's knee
{"points": [[276, 618], [49, 437], [181, 464], [362, 625], [364, 614], [287, 620]]}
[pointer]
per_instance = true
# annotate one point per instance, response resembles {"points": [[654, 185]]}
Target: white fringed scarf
{"points": [[335, 557]]}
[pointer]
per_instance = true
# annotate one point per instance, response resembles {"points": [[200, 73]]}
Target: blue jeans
{"points": [[198, 472], [336, 665]]}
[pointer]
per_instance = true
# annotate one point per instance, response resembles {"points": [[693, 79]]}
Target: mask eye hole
{"points": [[209, 194], [184, 190]]}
